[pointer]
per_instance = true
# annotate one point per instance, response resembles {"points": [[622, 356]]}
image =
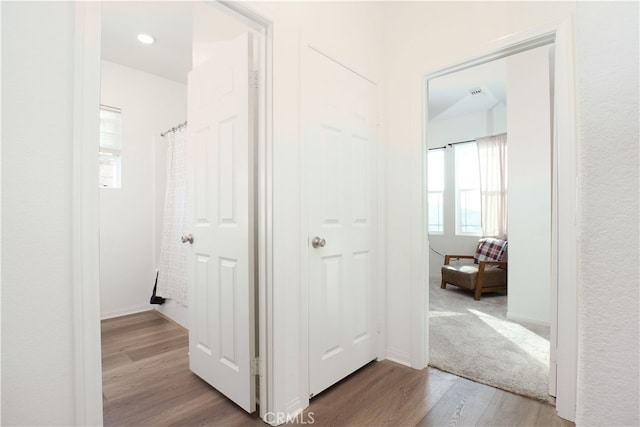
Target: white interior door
{"points": [[220, 219], [339, 122]]}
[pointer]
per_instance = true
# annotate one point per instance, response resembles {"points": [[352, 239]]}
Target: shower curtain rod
{"points": [[175, 128]]}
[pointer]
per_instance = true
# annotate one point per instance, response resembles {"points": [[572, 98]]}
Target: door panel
{"points": [[339, 131], [220, 217]]}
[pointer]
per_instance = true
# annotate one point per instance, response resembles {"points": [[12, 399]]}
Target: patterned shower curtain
{"points": [[172, 274]]}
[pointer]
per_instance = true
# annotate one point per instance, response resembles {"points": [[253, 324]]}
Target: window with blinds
{"points": [[110, 153]]}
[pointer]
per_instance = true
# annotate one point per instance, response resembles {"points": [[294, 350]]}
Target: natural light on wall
{"points": [[110, 147], [435, 190], [468, 221]]}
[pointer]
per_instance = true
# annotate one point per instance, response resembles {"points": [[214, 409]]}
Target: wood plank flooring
{"points": [[147, 382]]}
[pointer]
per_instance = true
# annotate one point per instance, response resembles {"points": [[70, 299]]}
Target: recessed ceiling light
{"points": [[145, 38]]}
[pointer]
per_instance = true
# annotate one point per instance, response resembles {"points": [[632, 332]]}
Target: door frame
{"points": [[307, 42], [565, 214], [85, 206]]}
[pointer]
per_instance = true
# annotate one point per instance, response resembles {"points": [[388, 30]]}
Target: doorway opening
{"points": [[489, 137], [563, 249], [147, 85]]}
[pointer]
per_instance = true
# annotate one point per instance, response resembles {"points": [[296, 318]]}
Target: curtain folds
{"points": [[492, 156], [172, 275]]}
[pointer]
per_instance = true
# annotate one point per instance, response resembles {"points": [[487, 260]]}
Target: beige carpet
{"points": [[475, 340]]}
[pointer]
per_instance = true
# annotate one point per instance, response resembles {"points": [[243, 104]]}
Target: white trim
{"points": [[86, 286], [399, 357], [303, 401], [382, 227], [128, 311], [505, 46], [1, 353], [553, 302], [330, 57], [525, 319], [420, 247], [85, 216], [565, 203], [316, 43], [265, 227]]}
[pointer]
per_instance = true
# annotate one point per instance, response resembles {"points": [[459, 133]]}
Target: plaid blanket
{"points": [[490, 249]]}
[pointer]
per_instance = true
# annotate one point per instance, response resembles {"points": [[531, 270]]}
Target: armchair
{"points": [[488, 273]]}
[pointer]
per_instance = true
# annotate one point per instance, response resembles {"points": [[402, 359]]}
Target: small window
{"points": [[435, 191], [468, 221], [110, 153]]}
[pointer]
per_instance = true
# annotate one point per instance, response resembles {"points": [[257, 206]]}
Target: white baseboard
{"points": [[125, 311], [175, 312], [520, 318], [399, 357]]}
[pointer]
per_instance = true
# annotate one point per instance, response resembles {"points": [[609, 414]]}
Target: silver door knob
{"points": [[318, 242], [187, 238]]}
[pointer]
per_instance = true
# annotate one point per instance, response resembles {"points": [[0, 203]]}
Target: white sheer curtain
{"points": [[172, 275], [492, 156]]}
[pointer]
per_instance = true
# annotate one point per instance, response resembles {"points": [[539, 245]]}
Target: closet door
{"points": [[339, 127], [220, 222]]}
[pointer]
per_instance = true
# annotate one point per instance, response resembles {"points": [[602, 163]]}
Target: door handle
{"points": [[187, 238], [318, 242]]}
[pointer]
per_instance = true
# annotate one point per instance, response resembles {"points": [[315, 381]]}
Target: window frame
{"points": [[458, 190], [440, 192], [113, 150]]}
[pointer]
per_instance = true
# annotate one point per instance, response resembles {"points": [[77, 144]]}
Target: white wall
{"points": [[608, 288], [529, 182], [442, 132], [206, 35], [447, 130], [131, 216], [37, 133], [497, 120]]}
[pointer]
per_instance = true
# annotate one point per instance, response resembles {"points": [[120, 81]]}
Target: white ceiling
{"points": [[179, 27], [172, 24], [449, 95], [169, 22]]}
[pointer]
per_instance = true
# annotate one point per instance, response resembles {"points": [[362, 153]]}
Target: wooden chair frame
{"points": [[479, 289]]}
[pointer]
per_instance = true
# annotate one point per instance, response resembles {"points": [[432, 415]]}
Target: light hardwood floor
{"points": [[146, 381]]}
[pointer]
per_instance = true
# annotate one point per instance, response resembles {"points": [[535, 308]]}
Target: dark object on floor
{"points": [[155, 299]]}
